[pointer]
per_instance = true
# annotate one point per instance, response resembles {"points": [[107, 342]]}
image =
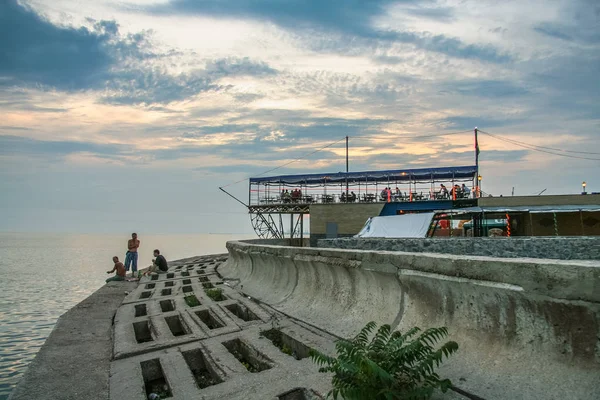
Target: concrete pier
{"points": [[74, 362], [527, 328]]}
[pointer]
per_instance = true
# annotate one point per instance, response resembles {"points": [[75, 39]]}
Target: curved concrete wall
{"points": [[528, 329]]}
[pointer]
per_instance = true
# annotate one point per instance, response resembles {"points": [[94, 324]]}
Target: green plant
{"points": [[192, 300], [392, 365], [215, 294]]}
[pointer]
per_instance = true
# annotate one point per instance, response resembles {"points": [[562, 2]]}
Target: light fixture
{"points": [[479, 178], [583, 185]]}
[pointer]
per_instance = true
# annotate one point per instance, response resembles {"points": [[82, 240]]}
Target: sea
{"points": [[44, 275]]}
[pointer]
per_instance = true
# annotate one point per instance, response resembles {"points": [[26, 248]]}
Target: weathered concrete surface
{"points": [[74, 362], [528, 329], [205, 330], [562, 248]]}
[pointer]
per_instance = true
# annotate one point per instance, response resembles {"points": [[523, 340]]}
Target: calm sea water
{"points": [[43, 275]]}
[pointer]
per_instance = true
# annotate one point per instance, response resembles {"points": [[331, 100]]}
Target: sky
{"points": [[129, 115]]}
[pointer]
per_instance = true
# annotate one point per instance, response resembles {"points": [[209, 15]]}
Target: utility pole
{"points": [[478, 191], [346, 169]]}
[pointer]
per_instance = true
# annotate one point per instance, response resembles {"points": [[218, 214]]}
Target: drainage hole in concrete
{"points": [[210, 320], [154, 379], [150, 285], [192, 300], [170, 275], [142, 332], [165, 292], [201, 369], [247, 355], [140, 310], [215, 294], [204, 279], [200, 272], [167, 305], [187, 289], [154, 277], [203, 267], [169, 284], [178, 268], [242, 312], [219, 283], [297, 394], [176, 325], [287, 344], [185, 273], [145, 295], [208, 285], [187, 281]]}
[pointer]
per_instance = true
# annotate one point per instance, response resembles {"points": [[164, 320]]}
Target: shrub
{"points": [[192, 300], [392, 365], [215, 294]]}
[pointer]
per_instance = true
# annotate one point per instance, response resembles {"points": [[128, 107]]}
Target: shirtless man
{"points": [[131, 256], [120, 268]]}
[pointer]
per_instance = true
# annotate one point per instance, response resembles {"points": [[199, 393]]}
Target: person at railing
{"points": [[343, 197], [286, 196], [443, 191], [456, 192], [296, 195], [352, 197], [383, 194], [397, 194], [466, 191]]}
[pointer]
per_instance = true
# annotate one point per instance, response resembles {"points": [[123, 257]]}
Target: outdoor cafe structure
{"points": [[270, 199]]}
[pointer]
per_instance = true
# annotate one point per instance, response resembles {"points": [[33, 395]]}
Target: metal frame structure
{"points": [[267, 212]]}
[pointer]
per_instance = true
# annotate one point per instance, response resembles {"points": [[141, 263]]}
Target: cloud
{"points": [[579, 23], [485, 88], [343, 23], [36, 52], [147, 85], [353, 17], [483, 122], [12, 145], [127, 69]]}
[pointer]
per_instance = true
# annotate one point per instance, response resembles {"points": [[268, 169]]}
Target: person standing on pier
{"points": [[131, 256]]}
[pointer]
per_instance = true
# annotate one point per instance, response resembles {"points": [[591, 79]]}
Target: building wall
{"points": [[350, 218]]}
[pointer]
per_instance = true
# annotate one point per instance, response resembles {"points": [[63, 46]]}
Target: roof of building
{"points": [[396, 176]]}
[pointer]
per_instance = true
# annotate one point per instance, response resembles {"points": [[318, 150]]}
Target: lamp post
{"points": [[583, 185], [479, 184]]}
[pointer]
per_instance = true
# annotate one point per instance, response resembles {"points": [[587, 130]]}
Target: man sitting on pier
{"points": [[159, 264], [120, 268]]}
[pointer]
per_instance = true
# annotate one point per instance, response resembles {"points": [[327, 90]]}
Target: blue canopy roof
{"points": [[398, 175]]}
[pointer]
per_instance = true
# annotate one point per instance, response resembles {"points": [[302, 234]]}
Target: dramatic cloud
{"points": [[190, 95], [36, 52]]}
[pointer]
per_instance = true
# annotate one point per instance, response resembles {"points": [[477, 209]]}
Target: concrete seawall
{"points": [[528, 329], [74, 362], [560, 248]]}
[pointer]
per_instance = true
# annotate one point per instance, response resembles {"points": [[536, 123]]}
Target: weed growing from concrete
{"points": [[392, 365], [215, 294], [191, 300]]}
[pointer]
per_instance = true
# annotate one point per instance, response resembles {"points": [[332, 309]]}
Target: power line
{"points": [[542, 149], [290, 162], [392, 136]]}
